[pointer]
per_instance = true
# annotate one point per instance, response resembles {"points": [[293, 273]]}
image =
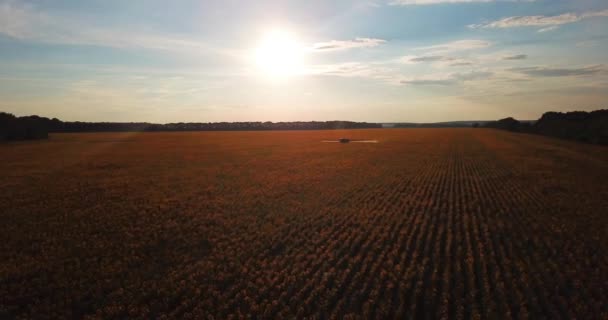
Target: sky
{"points": [[286, 60]]}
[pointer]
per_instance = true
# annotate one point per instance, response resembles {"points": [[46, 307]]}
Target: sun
{"points": [[279, 55]]}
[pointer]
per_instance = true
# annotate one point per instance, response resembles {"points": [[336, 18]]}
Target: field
{"points": [[434, 223]]}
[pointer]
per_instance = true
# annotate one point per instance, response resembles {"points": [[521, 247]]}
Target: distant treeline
{"points": [[22, 128], [451, 124], [35, 127], [591, 127]]}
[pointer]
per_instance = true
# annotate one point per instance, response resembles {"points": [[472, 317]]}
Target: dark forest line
{"points": [[35, 127], [590, 127]]}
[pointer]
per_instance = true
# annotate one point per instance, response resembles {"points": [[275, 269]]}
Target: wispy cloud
{"points": [[547, 29], [559, 72], [430, 59], [20, 21], [430, 2], [26, 23], [473, 75], [372, 70], [540, 21], [516, 57], [438, 61], [447, 80], [428, 82], [335, 45], [459, 45], [461, 64]]}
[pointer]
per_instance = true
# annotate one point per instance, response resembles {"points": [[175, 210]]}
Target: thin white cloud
{"points": [[587, 43], [560, 72], [442, 61], [461, 64], [335, 45], [438, 61], [24, 22], [378, 71], [431, 2], [17, 21], [429, 82], [516, 57], [540, 21], [448, 79], [430, 59], [548, 29], [460, 45]]}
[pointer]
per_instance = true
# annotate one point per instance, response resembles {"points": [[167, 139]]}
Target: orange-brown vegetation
{"points": [[442, 223]]}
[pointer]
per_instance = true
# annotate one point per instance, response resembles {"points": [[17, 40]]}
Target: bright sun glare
{"points": [[279, 55]]}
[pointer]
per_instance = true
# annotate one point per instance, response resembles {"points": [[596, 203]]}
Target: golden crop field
{"points": [[426, 223]]}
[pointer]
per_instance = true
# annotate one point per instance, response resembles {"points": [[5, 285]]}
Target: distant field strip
{"points": [[429, 223]]}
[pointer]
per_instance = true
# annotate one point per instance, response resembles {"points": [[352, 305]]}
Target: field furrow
{"points": [[426, 223]]}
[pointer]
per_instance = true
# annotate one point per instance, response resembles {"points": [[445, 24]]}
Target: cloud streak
{"points": [[540, 21], [559, 72], [428, 82], [336, 45], [438, 61], [432, 2], [459, 45], [548, 29], [448, 80], [430, 59], [25, 23], [461, 64], [516, 57], [353, 69]]}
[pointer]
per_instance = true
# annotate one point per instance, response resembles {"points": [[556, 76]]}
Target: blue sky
{"points": [[375, 60]]}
